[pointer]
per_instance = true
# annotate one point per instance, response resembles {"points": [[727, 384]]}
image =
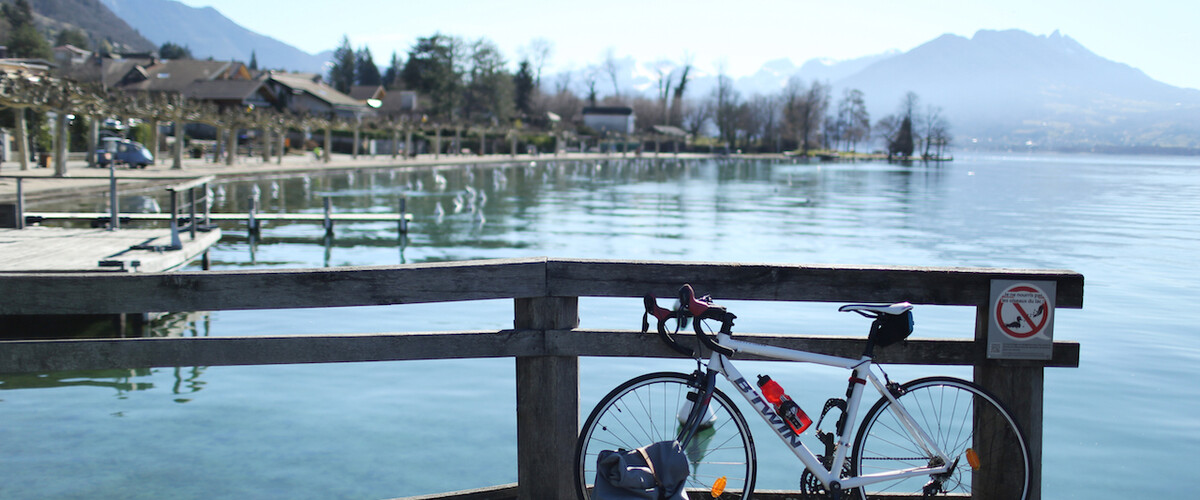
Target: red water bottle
{"points": [[791, 413]]}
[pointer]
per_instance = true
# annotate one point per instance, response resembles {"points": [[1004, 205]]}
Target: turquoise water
{"points": [[1119, 426]]}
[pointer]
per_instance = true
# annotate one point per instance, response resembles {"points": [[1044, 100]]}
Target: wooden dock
{"points": [[62, 250], [219, 217]]}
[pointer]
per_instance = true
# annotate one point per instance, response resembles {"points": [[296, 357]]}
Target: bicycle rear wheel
{"points": [[968, 423], [647, 410]]}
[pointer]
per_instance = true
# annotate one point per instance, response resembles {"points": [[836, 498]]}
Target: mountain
{"points": [[1012, 88], [208, 33], [91, 17]]}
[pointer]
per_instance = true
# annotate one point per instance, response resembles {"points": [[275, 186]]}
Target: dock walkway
{"points": [[62, 250]]}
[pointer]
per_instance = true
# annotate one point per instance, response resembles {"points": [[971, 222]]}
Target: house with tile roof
{"points": [[305, 93]]}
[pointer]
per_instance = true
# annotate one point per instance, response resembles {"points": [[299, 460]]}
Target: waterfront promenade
{"points": [[40, 183]]}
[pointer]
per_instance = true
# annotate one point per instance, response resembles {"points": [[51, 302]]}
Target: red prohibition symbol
{"points": [[1022, 311]]}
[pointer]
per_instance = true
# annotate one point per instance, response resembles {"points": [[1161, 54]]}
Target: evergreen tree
{"points": [[523, 86], [902, 145], [434, 68], [392, 76], [24, 40], [171, 50], [253, 61], [341, 74], [365, 70]]}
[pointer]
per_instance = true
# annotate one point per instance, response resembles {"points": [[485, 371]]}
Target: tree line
{"points": [[469, 81]]}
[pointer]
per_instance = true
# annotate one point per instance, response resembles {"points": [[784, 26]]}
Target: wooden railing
{"points": [[544, 339], [189, 203]]}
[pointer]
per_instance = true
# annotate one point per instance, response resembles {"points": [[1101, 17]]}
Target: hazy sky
{"points": [[1160, 37]]}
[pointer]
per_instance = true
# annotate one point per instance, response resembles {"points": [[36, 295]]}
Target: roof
{"points": [[364, 92], [224, 90], [73, 49], [608, 110], [670, 130], [169, 75], [317, 89]]}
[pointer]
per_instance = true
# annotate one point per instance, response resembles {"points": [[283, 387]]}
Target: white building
{"points": [[617, 119]]}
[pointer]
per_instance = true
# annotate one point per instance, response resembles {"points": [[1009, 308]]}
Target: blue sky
{"points": [[1160, 37]]}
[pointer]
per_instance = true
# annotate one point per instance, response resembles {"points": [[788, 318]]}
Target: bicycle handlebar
{"points": [[690, 306]]}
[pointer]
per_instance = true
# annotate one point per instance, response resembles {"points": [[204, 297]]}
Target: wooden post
{"points": [[251, 220], [437, 144], [547, 404], [403, 215], [1020, 385], [114, 208], [20, 222], [328, 220]]}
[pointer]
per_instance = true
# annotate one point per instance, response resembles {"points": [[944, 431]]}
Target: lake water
{"points": [[1122, 425]]}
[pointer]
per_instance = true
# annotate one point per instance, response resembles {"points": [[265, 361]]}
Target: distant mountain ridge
{"points": [[208, 33], [91, 17], [1012, 87]]}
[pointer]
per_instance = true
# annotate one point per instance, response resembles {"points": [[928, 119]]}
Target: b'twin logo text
{"points": [[768, 413]]}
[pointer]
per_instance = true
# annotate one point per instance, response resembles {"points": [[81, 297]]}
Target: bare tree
{"points": [[590, 76], [853, 121], [665, 71], [934, 129], [725, 101], [677, 99], [612, 69], [761, 120], [538, 52], [803, 109], [695, 116]]}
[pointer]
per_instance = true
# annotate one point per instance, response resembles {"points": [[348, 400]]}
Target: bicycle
{"points": [[931, 436]]}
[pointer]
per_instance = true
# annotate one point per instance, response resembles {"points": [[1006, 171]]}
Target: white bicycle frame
{"points": [[861, 369]]}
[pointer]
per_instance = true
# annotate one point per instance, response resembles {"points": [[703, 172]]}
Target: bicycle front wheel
{"points": [[649, 409], [986, 447]]}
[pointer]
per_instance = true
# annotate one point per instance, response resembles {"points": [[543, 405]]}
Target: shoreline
{"points": [[40, 184]]}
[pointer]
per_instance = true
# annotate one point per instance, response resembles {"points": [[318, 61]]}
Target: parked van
{"points": [[124, 151]]}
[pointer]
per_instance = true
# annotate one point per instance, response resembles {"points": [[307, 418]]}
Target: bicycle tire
{"points": [[644, 410], [947, 408]]}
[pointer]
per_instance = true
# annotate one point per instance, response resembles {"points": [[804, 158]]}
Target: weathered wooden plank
{"points": [[505, 278], [50, 250], [271, 289], [35, 356], [727, 280], [916, 351], [547, 403], [223, 216], [98, 354]]}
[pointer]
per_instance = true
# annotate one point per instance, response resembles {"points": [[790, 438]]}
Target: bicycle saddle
{"points": [[874, 311]]}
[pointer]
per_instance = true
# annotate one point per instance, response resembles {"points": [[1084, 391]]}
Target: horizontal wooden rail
{"points": [[505, 278], [101, 354]]}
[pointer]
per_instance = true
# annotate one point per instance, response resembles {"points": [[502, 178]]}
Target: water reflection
{"points": [[186, 380]]}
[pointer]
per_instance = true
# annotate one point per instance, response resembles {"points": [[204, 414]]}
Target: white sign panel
{"points": [[1021, 322]]}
